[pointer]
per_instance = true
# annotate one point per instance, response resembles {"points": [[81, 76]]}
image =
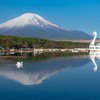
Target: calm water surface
{"points": [[51, 78]]}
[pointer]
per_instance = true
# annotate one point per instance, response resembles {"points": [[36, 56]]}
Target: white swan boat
{"points": [[92, 46]]}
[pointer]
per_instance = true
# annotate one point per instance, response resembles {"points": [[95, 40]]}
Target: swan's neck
{"points": [[93, 41], [93, 60], [95, 64]]}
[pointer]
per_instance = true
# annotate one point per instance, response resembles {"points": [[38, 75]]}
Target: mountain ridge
{"points": [[33, 25]]}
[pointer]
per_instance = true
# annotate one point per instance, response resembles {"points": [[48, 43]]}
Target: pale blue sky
{"points": [[80, 15]]}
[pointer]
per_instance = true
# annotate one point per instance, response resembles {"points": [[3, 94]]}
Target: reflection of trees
{"points": [[48, 55]]}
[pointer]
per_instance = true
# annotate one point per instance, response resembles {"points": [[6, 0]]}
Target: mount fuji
{"points": [[33, 25]]}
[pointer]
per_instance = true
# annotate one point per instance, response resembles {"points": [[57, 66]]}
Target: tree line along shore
{"points": [[29, 42]]}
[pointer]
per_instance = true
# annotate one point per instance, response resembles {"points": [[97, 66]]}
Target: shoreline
{"points": [[45, 50], [81, 41]]}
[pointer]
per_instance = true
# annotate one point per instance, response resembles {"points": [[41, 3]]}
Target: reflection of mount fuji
{"points": [[35, 72]]}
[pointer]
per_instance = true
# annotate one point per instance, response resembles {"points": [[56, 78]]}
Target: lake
{"points": [[51, 76]]}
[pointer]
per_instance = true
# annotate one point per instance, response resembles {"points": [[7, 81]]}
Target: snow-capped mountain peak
{"points": [[33, 25], [28, 19]]}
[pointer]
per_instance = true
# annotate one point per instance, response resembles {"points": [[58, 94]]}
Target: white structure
{"points": [[92, 46], [19, 65], [92, 56]]}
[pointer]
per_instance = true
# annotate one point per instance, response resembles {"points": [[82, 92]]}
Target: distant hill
{"points": [[33, 25]]}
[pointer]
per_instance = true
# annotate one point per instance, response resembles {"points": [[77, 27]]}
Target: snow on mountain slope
{"points": [[28, 19], [33, 25]]}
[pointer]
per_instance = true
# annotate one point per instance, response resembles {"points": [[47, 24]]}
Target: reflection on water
{"points": [[35, 73], [21, 53], [47, 76], [93, 56]]}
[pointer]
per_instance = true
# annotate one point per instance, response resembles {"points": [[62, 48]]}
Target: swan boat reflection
{"points": [[92, 56]]}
